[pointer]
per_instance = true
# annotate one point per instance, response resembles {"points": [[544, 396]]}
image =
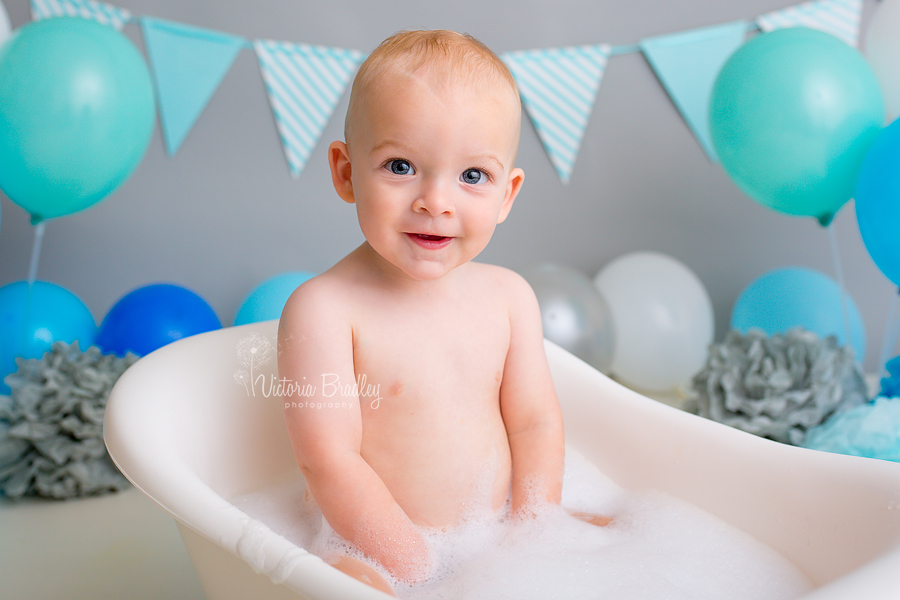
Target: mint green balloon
{"points": [[76, 114], [792, 114]]}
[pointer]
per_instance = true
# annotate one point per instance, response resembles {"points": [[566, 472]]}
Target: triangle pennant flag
{"points": [[559, 87], [687, 64], [87, 9], [304, 84], [840, 18], [188, 64]]}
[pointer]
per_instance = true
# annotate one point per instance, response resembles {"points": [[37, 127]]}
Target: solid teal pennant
{"points": [[188, 64], [687, 64]]}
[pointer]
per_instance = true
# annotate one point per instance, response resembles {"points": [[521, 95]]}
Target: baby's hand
{"points": [[598, 520], [362, 572]]}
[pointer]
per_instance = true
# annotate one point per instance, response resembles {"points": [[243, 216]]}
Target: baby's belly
{"points": [[441, 475]]}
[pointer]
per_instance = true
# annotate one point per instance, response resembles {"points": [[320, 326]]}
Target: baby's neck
{"points": [[387, 274]]}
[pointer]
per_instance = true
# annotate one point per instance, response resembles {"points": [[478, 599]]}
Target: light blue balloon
{"points": [[76, 114], [792, 114], [266, 301], [33, 317], [878, 202], [799, 297]]}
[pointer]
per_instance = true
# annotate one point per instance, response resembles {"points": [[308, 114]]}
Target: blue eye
{"points": [[473, 176], [400, 167]]}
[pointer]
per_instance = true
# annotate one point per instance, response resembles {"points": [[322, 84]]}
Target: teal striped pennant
{"points": [[304, 84], [840, 18], [87, 9], [559, 87]]}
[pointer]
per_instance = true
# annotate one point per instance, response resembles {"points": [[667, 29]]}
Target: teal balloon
{"points": [[266, 301], [792, 114], [32, 317], [798, 297], [878, 202], [76, 114]]}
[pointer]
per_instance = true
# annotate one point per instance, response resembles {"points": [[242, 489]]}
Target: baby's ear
{"points": [[513, 185], [339, 161]]}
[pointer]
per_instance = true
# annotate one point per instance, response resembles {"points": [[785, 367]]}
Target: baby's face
{"points": [[432, 172]]}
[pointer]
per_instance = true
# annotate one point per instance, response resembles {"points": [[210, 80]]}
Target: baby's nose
{"points": [[434, 198]]}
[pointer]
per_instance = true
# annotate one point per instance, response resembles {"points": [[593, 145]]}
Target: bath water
{"points": [[656, 548]]}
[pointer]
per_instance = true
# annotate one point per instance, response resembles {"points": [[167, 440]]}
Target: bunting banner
{"points": [[188, 64], [304, 84], [687, 64], [87, 9], [840, 18], [559, 87]]}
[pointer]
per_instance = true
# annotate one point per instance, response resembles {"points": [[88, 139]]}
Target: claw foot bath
{"points": [[198, 425]]}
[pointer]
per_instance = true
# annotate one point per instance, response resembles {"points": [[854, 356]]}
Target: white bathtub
{"points": [[190, 436]]}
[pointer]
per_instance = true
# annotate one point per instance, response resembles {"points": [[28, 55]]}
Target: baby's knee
{"points": [[593, 519]]}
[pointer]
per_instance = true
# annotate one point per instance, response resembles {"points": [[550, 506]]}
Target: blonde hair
{"points": [[455, 57]]}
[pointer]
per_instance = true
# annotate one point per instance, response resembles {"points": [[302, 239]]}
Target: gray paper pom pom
{"points": [[51, 426], [780, 386]]}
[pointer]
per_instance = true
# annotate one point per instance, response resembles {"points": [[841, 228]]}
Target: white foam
{"points": [[657, 547]]}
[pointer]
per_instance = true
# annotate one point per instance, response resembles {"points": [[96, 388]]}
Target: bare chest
{"points": [[436, 361]]}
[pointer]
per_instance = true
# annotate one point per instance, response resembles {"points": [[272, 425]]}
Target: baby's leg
{"points": [[363, 572], [598, 520]]}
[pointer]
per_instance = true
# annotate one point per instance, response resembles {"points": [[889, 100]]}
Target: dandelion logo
{"points": [[253, 351]]}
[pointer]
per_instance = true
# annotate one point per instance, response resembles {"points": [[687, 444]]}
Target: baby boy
{"points": [[466, 417]]}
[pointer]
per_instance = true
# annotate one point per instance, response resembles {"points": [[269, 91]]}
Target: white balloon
{"points": [[4, 24], [573, 313], [662, 320], [883, 52]]}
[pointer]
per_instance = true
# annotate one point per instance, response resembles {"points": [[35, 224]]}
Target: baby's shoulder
{"points": [[317, 299], [504, 283]]}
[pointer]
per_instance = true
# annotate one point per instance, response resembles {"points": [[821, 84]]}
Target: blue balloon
{"points": [[151, 317], [266, 301], [32, 317], [799, 297], [878, 201]]}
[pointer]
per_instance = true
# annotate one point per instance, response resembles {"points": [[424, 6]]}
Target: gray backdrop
{"points": [[224, 213]]}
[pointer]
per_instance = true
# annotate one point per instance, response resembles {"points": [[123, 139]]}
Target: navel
{"points": [[397, 388]]}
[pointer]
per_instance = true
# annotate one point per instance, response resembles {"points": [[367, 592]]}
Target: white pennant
{"points": [[558, 88], [840, 18]]}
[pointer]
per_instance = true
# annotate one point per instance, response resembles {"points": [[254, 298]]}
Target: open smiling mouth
{"points": [[429, 241]]}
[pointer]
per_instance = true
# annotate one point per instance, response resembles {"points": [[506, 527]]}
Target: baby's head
{"points": [[449, 60], [432, 134]]}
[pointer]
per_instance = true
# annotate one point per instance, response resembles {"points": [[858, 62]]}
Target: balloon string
{"points": [[36, 252], [839, 273], [891, 333]]}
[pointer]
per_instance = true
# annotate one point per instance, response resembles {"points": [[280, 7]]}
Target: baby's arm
{"points": [[315, 338], [530, 407]]}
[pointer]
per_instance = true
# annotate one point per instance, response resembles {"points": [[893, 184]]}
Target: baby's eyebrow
{"points": [[476, 160], [493, 159], [403, 148]]}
